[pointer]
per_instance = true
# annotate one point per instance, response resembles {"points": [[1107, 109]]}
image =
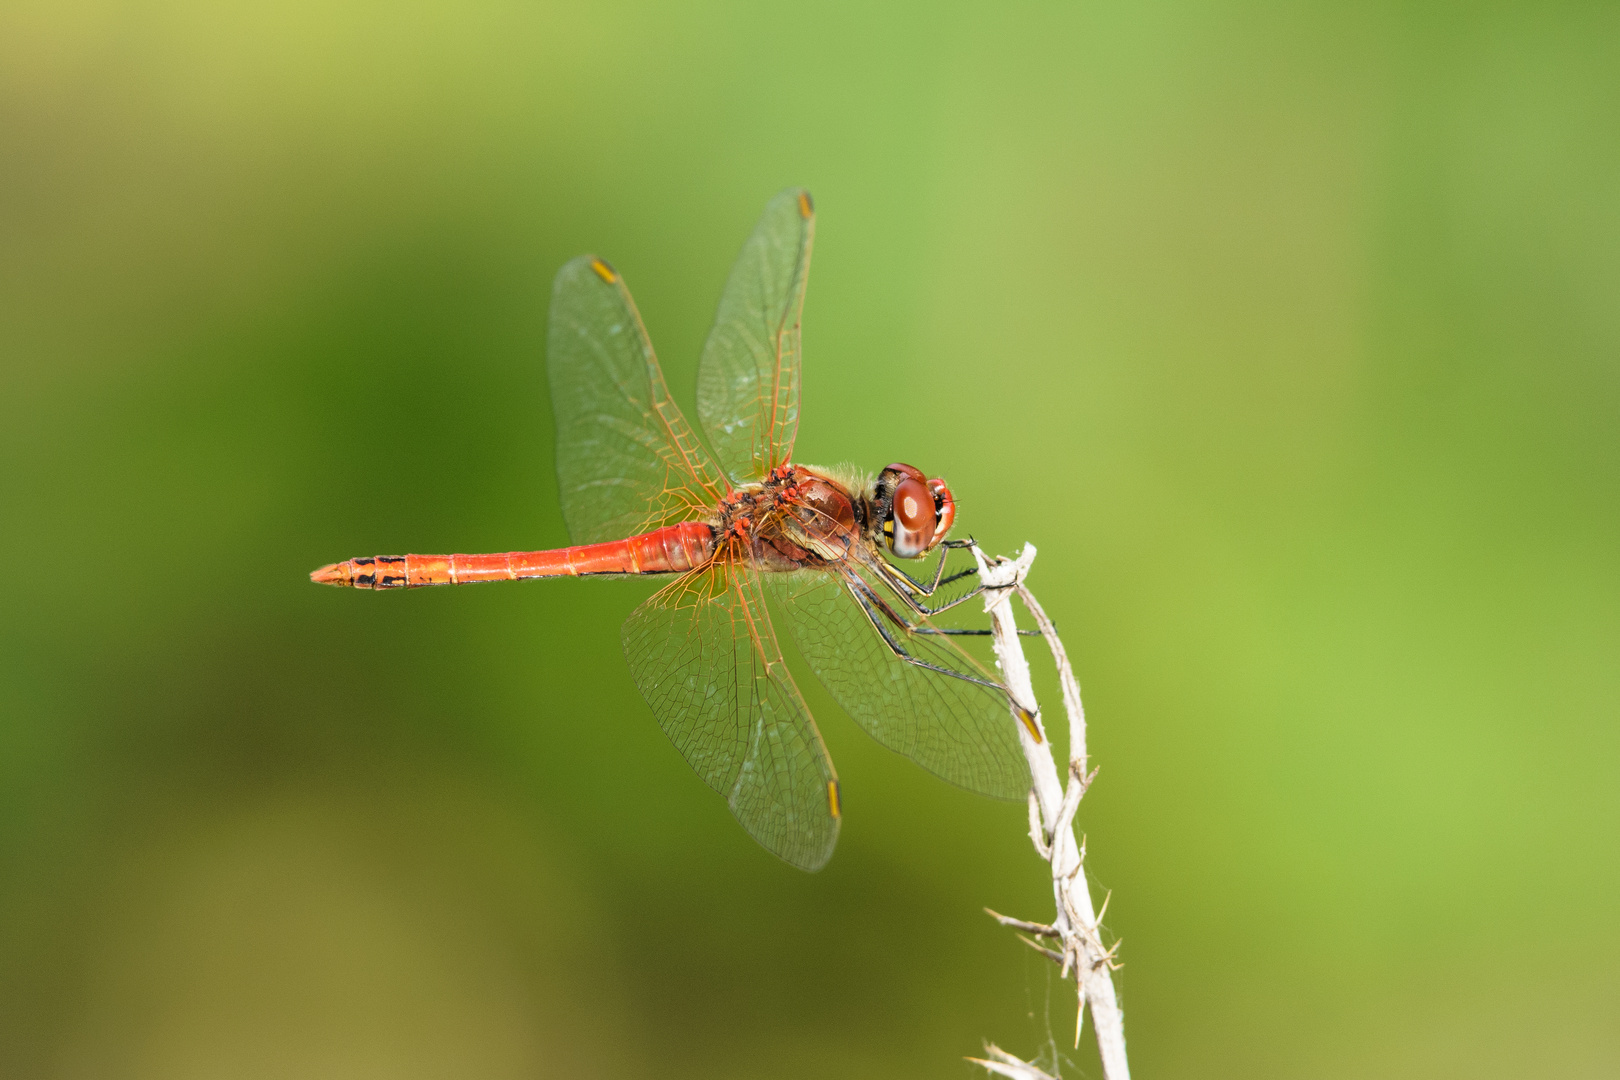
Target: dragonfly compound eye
{"points": [[944, 509], [913, 515]]}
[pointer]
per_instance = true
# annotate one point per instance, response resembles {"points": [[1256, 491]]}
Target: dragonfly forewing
{"points": [[627, 460], [748, 378], [706, 658]]}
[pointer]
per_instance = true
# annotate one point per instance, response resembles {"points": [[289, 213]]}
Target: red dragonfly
{"points": [[642, 495]]}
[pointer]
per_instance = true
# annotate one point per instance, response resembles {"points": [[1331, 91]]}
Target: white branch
{"points": [[1075, 925]]}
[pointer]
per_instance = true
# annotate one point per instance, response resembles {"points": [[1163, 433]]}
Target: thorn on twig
{"points": [[1051, 954], [1077, 770], [1108, 957], [1039, 929], [1001, 1063]]}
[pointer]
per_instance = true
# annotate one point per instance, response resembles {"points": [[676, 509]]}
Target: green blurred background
{"points": [[1290, 334]]}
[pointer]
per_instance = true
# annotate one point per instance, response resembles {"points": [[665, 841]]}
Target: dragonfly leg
{"points": [[939, 571], [914, 586], [923, 609], [870, 600], [939, 568], [909, 589], [956, 631], [949, 631], [867, 598]]}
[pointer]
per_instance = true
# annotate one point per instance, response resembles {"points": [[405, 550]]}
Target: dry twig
{"points": [[1052, 808]]}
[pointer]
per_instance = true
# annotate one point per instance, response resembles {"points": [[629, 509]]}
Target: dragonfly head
{"points": [[915, 512]]}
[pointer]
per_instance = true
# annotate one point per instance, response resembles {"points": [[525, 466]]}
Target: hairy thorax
{"points": [[797, 518]]}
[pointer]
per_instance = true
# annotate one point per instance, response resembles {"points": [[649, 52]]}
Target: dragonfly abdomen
{"points": [[670, 550]]}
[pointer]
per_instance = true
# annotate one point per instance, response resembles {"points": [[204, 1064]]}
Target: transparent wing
{"points": [[627, 461], [748, 379], [958, 730], [706, 659]]}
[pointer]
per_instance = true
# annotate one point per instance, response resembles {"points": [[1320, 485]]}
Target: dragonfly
{"points": [[752, 541]]}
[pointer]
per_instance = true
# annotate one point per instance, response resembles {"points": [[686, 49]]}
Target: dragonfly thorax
{"points": [[796, 518]]}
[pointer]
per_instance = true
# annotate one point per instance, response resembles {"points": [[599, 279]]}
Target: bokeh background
{"points": [[1289, 333]]}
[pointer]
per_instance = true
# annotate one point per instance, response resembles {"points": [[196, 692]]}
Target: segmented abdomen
{"points": [[669, 550]]}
